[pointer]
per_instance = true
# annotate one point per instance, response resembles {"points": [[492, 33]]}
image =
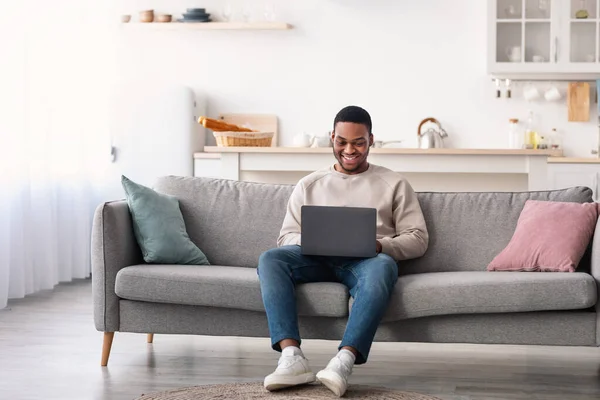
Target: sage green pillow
{"points": [[159, 228]]}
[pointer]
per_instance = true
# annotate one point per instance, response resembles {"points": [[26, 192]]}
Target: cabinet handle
{"points": [[556, 49]]}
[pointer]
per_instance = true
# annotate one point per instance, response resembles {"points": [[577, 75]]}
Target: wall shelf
{"points": [[191, 26]]}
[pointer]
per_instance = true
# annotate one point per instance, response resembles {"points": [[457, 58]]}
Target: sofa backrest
{"points": [[233, 222], [467, 230]]}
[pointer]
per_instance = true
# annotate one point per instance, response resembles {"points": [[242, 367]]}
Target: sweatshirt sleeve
{"points": [[412, 238], [290, 230]]}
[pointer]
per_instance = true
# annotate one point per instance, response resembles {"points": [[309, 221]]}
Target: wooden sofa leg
{"points": [[106, 345], [150, 337]]}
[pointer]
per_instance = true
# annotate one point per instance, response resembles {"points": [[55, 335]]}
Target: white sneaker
{"points": [[292, 370], [336, 373]]}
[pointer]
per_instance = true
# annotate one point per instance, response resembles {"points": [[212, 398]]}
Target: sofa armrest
{"points": [[113, 247], [595, 271]]}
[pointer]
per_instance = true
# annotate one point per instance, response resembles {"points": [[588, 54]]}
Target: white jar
{"points": [[514, 134]]}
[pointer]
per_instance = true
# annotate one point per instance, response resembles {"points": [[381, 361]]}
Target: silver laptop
{"points": [[339, 231]]}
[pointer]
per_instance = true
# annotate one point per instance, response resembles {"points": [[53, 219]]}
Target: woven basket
{"points": [[243, 139]]}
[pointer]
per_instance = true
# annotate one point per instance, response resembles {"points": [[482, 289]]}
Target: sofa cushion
{"points": [[445, 293], [551, 236], [233, 222], [218, 286], [467, 230], [159, 227]]}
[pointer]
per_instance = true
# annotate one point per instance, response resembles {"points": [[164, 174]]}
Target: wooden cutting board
{"points": [[578, 101], [260, 122]]}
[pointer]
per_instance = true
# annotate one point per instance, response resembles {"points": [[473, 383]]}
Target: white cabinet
{"points": [[568, 175], [207, 166], [544, 38]]}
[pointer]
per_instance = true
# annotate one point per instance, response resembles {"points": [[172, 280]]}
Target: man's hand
{"points": [[379, 248]]}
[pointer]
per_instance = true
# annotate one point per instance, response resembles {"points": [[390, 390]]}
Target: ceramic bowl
{"points": [[195, 16], [164, 18], [147, 16]]}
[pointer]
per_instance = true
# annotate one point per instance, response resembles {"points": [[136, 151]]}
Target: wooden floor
{"points": [[49, 349]]}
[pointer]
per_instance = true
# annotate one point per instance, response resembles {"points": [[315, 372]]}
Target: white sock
{"points": [[347, 357], [292, 351]]}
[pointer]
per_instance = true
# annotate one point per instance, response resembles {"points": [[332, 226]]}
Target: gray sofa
{"points": [[444, 296]]}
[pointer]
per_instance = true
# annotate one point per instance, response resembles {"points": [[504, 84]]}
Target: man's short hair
{"points": [[354, 114]]}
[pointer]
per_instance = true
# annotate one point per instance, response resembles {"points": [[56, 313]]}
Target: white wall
{"points": [[401, 60]]}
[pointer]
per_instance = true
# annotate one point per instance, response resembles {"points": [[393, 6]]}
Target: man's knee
{"points": [[386, 267], [278, 253], [273, 257], [267, 259], [267, 256], [381, 276]]}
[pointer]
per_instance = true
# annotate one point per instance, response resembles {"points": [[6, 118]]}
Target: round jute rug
{"points": [[256, 391]]}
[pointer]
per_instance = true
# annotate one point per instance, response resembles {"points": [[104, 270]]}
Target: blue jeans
{"points": [[369, 280]]}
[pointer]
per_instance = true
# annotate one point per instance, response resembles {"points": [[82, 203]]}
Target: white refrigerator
{"points": [[154, 132]]}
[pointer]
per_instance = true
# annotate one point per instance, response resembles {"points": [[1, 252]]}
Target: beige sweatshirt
{"points": [[401, 227]]}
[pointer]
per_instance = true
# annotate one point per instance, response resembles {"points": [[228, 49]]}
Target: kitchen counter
{"points": [[210, 151], [237, 162], [574, 160]]}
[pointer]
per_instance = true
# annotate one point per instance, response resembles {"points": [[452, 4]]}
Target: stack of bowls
{"points": [[195, 15]]}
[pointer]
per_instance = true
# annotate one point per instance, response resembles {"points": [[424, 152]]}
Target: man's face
{"points": [[351, 144]]}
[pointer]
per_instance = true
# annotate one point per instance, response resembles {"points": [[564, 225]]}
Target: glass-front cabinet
{"points": [[544, 38]]}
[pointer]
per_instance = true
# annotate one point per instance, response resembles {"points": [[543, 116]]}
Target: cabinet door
{"points": [[579, 38], [523, 36], [569, 175], [207, 167]]}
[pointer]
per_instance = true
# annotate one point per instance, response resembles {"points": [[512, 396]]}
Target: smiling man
{"points": [[401, 235]]}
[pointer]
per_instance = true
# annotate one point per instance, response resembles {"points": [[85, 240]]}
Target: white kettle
{"points": [[303, 140], [433, 137], [306, 140]]}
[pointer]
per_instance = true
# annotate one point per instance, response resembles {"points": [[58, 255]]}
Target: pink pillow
{"points": [[550, 237]]}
